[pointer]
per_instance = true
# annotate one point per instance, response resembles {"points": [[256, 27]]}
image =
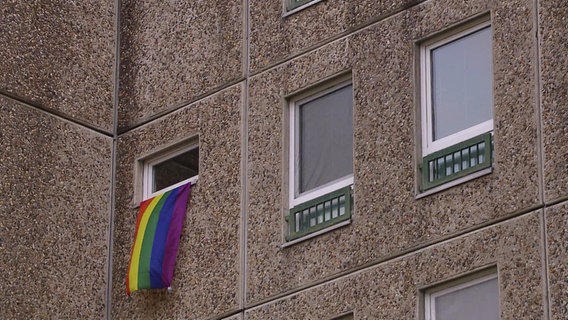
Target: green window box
{"points": [[320, 213], [457, 161]]}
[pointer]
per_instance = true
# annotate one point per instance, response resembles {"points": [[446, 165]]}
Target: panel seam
{"points": [[56, 113], [114, 157], [244, 155], [541, 159]]}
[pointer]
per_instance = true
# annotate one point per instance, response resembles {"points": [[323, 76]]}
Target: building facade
{"points": [[399, 159]]}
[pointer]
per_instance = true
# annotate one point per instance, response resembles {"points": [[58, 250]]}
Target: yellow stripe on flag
{"points": [[135, 262]]}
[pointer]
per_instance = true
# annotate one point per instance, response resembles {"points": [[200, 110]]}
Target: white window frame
{"points": [[431, 294], [428, 144], [148, 170], [296, 199]]}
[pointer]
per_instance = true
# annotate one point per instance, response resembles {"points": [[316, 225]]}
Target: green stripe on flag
{"points": [[147, 243]]}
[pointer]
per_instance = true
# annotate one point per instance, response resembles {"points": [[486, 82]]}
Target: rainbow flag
{"points": [[156, 240]]}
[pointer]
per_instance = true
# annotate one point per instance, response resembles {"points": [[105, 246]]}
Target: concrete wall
{"points": [[174, 52], [56, 89], [208, 272], [59, 55], [55, 184], [554, 97], [220, 73], [390, 290], [554, 121]]}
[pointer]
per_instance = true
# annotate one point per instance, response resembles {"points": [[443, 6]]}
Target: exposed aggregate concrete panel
{"points": [[553, 22], [175, 51], [557, 246], [60, 55], [207, 275], [391, 290], [387, 218], [235, 317], [55, 183], [275, 37]]}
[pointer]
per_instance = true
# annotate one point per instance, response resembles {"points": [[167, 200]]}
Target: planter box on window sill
{"points": [[320, 213], [457, 161]]}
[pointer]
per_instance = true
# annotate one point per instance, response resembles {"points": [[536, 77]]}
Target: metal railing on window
{"points": [[319, 213], [457, 161]]}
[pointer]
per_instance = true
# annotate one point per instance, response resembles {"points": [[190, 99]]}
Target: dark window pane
{"points": [[174, 170]]}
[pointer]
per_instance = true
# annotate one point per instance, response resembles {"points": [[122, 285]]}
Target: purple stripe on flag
{"points": [[160, 237], [174, 232]]}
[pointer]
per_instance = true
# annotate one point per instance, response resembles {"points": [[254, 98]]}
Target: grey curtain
{"points": [[326, 139], [478, 302]]}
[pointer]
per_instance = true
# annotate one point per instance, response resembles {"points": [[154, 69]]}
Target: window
{"points": [[321, 158], [472, 300], [294, 5], [348, 316], [170, 169], [457, 104]]}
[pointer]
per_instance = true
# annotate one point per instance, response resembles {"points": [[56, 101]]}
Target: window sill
{"points": [[316, 233], [454, 183]]}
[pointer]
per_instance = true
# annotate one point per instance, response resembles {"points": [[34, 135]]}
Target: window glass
{"points": [[462, 82], [176, 169], [470, 302], [325, 139], [345, 317], [292, 4]]}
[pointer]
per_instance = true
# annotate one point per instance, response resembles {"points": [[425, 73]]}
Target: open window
{"points": [[321, 158], [456, 104], [170, 169], [465, 299]]}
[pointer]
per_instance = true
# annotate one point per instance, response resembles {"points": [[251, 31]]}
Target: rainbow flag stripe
{"points": [[156, 240]]}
